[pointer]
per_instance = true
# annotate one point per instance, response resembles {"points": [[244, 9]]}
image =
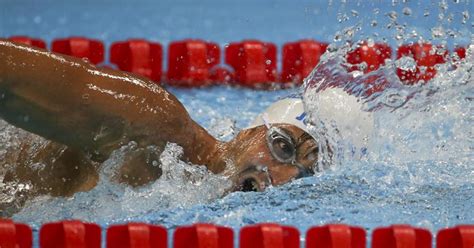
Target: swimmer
{"points": [[85, 113]]}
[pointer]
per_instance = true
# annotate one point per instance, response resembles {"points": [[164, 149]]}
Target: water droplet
{"points": [[342, 17], [452, 33], [407, 11], [426, 13], [437, 32], [450, 17], [370, 42], [440, 16], [26, 118], [465, 17], [373, 23], [268, 62], [354, 13], [406, 63], [443, 5], [392, 15], [85, 96]]}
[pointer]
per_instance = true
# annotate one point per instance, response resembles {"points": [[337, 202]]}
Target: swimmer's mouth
{"points": [[253, 179], [249, 185]]}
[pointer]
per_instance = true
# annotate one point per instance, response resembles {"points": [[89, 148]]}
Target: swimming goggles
{"points": [[283, 149]]}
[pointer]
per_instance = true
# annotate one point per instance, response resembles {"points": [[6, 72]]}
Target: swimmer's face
{"points": [[271, 156]]}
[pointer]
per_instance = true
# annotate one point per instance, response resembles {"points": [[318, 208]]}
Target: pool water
{"points": [[417, 164]]}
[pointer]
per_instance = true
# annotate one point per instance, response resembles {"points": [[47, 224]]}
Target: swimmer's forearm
{"points": [[72, 102]]}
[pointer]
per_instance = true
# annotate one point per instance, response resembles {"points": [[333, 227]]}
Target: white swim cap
{"points": [[287, 110], [345, 112]]}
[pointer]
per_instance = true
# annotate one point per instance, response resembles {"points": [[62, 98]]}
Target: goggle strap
{"points": [[265, 120]]}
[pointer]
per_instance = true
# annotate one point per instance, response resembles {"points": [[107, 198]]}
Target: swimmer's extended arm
{"points": [[96, 110]]}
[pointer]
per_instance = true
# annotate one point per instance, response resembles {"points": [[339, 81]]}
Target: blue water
{"points": [[225, 21], [420, 166]]}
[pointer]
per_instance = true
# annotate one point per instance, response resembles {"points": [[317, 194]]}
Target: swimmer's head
{"points": [[274, 150]]}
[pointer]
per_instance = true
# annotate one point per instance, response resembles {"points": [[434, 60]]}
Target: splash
{"points": [[421, 131], [181, 185]]}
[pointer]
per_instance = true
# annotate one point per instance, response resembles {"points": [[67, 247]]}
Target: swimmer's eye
{"points": [[281, 146]]}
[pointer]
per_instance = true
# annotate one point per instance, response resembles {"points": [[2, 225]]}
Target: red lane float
{"points": [[29, 41], [300, 58], [426, 57], [79, 234], [461, 52], [373, 55], [80, 47], [221, 75], [138, 56], [190, 62], [401, 236], [457, 237], [70, 234], [336, 236], [269, 235], [254, 61], [136, 235], [203, 236], [15, 235]]}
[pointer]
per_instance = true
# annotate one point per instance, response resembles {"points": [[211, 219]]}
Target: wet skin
{"points": [[85, 113]]}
